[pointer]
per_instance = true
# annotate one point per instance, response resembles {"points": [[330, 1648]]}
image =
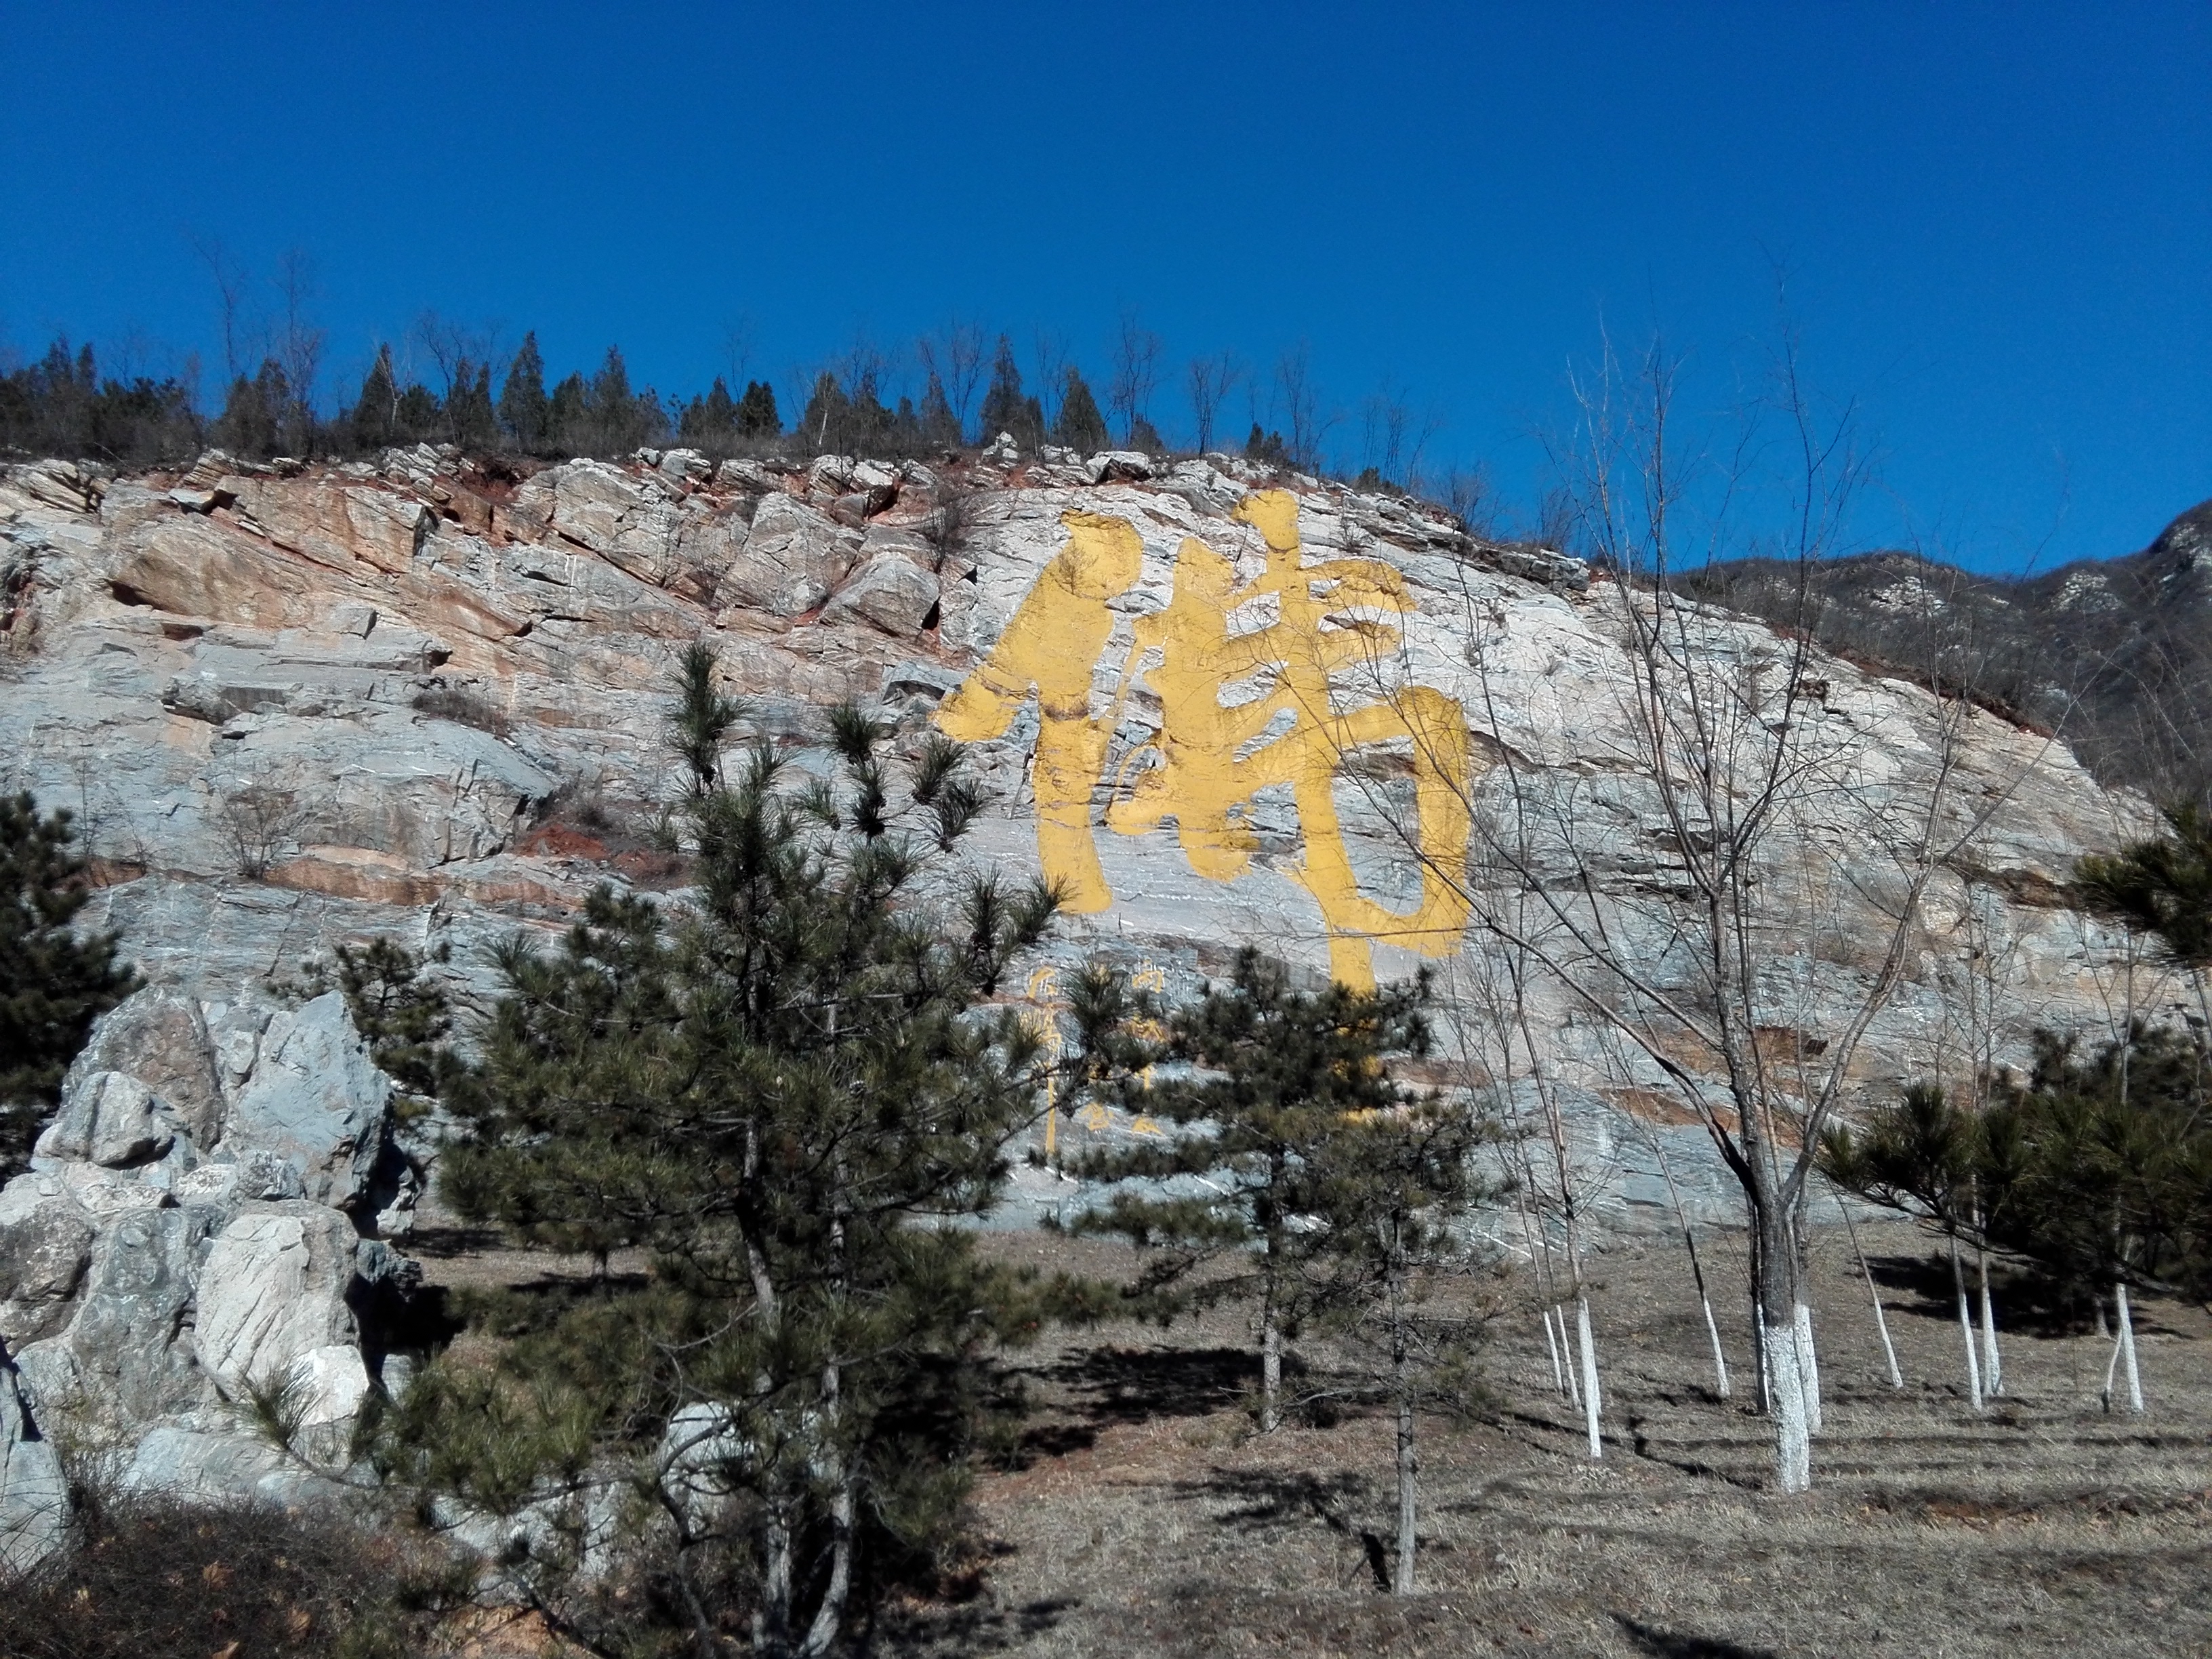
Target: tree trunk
{"points": [[1589, 1375], [829, 1616], [1271, 1368], [2127, 1324], [1574, 1390], [1551, 1343], [1808, 1367], [1401, 1581], [1992, 1363], [1793, 1446], [1880, 1319], [1966, 1326], [772, 1624], [1713, 1331], [1776, 1313]]}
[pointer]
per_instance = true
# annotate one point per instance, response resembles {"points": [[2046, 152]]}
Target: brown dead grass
{"points": [[1147, 1519]]}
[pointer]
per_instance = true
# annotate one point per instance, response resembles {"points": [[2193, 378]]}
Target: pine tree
{"points": [[565, 418], [420, 415], [1080, 425], [1005, 410], [611, 414], [939, 428], [777, 1092], [376, 412], [710, 423], [522, 408], [756, 413], [1389, 1195], [1281, 1074], [470, 420], [54, 983], [1304, 1175], [2162, 886], [255, 414], [1267, 448]]}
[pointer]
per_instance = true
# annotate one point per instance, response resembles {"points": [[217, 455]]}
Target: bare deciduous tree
{"points": [[1049, 357], [956, 355], [1300, 406], [298, 345], [1209, 380], [1136, 372]]}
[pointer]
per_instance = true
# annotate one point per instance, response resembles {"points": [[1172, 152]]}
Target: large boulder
{"points": [[272, 1308], [160, 1265]]}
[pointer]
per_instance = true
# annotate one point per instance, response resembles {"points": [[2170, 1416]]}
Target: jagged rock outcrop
{"points": [[198, 1225], [424, 698]]}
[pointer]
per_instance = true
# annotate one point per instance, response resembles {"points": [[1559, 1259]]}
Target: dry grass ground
{"points": [[1145, 1518]]}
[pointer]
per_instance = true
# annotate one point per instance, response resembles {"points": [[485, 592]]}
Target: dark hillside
{"points": [[2115, 655]]}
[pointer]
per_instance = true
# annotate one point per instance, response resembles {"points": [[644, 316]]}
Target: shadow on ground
{"points": [[1669, 1644]]}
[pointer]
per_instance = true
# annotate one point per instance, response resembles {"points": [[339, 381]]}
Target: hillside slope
{"points": [[2114, 655]]}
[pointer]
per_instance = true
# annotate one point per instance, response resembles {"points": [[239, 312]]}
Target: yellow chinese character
{"points": [[1292, 722], [1148, 976], [1044, 984], [1095, 1117]]}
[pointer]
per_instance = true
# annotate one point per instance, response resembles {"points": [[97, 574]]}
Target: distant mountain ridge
{"points": [[2114, 655]]}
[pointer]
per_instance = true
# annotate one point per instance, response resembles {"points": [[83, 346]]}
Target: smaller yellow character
{"points": [[1149, 976], [1044, 984]]}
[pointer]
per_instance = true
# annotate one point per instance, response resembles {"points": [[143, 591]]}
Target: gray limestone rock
{"points": [[316, 1100], [46, 1247], [160, 1038], [34, 1506], [272, 1307], [793, 558], [130, 1345], [108, 1118], [891, 592]]}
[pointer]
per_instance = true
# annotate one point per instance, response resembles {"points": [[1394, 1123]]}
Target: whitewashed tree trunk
{"points": [[1880, 1319], [1992, 1362], [1720, 1358], [2127, 1323], [1552, 1342], [1589, 1376], [1697, 1267], [1966, 1328], [1567, 1346], [1808, 1367], [1793, 1462]]}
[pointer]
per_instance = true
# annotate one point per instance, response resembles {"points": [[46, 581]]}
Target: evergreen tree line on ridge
{"points": [[61, 405]]}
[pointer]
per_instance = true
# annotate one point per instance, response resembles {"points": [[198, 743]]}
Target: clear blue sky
{"points": [[1998, 219]]}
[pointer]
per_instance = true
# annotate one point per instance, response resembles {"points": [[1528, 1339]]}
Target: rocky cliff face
{"points": [[296, 706]]}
